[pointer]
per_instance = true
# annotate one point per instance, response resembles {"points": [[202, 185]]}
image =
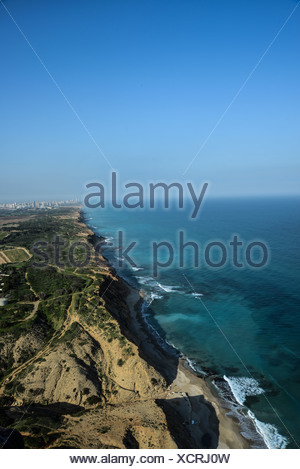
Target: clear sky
{"points": [[149, 79]]}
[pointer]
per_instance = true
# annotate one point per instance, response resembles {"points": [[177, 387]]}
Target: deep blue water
{"points": [[246, 325]]}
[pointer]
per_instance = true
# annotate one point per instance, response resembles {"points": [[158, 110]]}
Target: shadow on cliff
{"points": [[192, 421], [54, 410], [10, 439], [152, 348], [36, 420]]}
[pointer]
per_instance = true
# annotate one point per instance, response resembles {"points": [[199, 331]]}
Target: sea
{"points": [[232, 315]]}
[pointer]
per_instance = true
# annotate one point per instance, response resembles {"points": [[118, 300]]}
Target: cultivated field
{"points": [[14, 255]]}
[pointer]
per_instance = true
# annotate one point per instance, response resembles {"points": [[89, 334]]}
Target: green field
{"points": [[3, 235], [17, 255]]}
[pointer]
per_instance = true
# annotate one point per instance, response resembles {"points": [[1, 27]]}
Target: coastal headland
{"points": [[79, 367]]}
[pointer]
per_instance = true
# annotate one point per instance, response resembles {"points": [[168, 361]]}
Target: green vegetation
{"points": [[15, 286], [12, 314], [52, 309], [71, 333], [50, 282], [42, 226], [55, 310], [17, 329]]}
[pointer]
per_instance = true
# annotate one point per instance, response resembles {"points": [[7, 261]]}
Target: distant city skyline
{"points": [[140, 87], [37, 203]]}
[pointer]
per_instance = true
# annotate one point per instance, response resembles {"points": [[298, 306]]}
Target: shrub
{"points": [[104, 429], [92, 400]]}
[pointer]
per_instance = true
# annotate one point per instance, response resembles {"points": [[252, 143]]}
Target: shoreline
{"points": [[187, 384]]}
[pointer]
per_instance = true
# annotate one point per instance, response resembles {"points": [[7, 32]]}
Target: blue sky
{"points": [[149, 79]]}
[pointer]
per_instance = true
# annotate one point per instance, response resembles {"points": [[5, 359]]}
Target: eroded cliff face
{"points": [[112, 388], [83, 368]]}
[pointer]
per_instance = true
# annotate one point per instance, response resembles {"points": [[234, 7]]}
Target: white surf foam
{"points": [[154, 296], [108, 240], [270, 434], [147, 281], [136, 269], [151, 282], [169, 288], [149, 299], [191, 364], [243, 387]]}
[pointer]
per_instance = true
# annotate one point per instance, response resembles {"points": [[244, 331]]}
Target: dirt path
{"points": [[2, 261], [29, 284], [5, 258], [34, 310]]}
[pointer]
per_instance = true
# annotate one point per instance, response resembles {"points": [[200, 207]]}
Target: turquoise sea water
{"points": [[245, 326]]}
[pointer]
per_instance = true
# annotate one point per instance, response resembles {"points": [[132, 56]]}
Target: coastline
{"points": [[199, 394], [188, 384]]}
